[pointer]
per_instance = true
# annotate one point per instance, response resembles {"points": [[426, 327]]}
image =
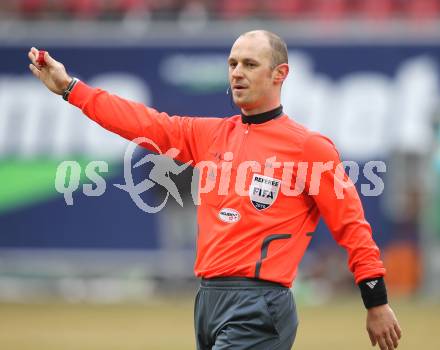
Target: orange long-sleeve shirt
{"points": [[249, 223]]}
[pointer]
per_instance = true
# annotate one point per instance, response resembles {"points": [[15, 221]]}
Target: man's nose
{"points": [[236, 72]]}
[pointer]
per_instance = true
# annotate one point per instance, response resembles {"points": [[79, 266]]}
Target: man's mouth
{"points": [[239, 87]]}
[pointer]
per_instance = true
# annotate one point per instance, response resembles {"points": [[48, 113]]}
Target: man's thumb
{"points": [[48, 59]]}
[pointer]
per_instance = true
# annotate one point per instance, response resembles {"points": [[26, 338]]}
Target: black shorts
{"points": [[244, 314]]}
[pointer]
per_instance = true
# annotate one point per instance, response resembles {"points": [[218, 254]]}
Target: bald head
{"points": [[277, 46]]}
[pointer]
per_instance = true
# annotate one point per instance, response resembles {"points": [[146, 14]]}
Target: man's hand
{"points": [[383, 328], [52, 74]]}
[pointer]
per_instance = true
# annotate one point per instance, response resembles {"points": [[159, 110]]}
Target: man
{"points": [[250, 242]]}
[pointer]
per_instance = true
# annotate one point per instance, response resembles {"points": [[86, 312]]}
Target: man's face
{"points": [[250, 73]]}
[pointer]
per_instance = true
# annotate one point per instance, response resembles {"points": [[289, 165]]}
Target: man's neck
{"points": [[263, 117]]}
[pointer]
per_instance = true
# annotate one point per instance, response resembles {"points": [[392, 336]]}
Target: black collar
{"points": [[262, 117]]}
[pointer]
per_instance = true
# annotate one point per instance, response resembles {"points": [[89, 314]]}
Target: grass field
{"points": [[167, 324]]}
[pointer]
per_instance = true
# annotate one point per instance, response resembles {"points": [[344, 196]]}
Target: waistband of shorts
{"points": [[238, 282]]}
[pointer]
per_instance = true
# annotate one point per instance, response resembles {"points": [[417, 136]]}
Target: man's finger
{"points": [[33, 54], [32, 57], [372, 338], [389, 341], [382, 343], [35, 71], [48, 59], [394, 338], [34, 51], [398, 330]]}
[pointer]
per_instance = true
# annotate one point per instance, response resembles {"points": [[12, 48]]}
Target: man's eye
{"points": [[251, 65]]}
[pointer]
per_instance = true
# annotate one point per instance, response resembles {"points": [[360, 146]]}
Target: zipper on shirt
{"points": [[246, 132], [247, 129]]}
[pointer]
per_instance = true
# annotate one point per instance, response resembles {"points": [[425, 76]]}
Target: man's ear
{"points": [[280, 73]]}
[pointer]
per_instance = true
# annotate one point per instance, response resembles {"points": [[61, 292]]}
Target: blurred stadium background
{"points": [[102, 274]]}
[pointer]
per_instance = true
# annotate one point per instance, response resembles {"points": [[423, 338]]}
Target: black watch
{"points": [[67, 92]]}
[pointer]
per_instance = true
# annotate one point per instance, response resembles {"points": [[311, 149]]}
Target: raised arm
{"points": [[132, 120]]}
